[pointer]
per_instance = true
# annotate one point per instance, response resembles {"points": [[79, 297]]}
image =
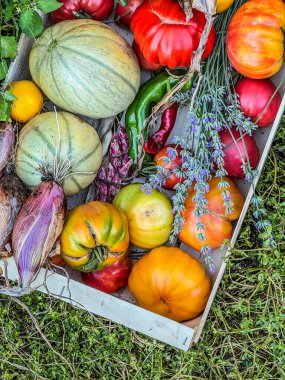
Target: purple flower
{"points": [[193, 118], [172, 153]]}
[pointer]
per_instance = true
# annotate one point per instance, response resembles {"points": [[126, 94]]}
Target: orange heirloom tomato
{"points": [[218, 226], [169, 282], [223, 5], [149, 215], [95, 236], [217, 230], [29, 100], [255, 38]]}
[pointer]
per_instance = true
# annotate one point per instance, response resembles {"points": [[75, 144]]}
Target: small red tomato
{"points": [[255, 100], [173, 179], [238, 149], [124, 15], [96, 9], [109, 279], [143, 62]]}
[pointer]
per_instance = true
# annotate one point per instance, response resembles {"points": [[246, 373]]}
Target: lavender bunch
{"points": [[213, 106]]}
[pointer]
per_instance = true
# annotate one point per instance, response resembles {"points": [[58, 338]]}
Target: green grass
{"points": [[243, 337]]}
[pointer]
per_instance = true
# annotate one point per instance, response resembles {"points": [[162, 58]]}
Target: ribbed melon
{"points": [[85, 67], [58, 146]]}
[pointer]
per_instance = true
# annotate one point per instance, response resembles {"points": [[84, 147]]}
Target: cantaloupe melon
{"points": [[85, 67], [58, 146]]}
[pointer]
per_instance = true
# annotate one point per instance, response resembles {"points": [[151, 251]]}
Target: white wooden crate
{"points": [[121, 307]]}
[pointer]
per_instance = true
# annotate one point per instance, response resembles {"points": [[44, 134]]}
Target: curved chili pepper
{"points": [[157, 141], [150, 93]]}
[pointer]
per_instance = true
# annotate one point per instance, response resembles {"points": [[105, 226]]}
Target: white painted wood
{"points": [[121, 307], [116, 309]]}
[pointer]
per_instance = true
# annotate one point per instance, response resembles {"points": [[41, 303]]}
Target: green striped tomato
{"points": [[85, 67], [61, 147]]}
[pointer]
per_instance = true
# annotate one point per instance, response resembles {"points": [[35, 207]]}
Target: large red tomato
{"points": [[238, 149], [143, 62], [257, 100], [255, 38], [164, 36], [96, 9]]}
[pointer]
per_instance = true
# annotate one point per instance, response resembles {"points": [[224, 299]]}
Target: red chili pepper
{"points": [[154, 144]]}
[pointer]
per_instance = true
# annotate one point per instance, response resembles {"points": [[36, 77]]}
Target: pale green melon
{"points": [[58, 146], [85, 67]]}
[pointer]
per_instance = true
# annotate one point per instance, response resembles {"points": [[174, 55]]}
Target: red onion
{"points": [[36, 230], [237, 148], [72, 9], [12, 197], [124, 15], [7, 141], [255, 100]]}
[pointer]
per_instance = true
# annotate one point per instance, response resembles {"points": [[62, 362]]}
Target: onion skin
{"points": [[36, 230], [110, 279], [7, 141], [12, 198], [233, 159], [254, 97]]}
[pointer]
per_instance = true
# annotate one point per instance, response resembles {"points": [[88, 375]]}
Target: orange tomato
{"points": [[216, 200], [255, 38], [223, 5], [29, 100], [95, 236], [218, 226], [217, 230], [169, 282]]}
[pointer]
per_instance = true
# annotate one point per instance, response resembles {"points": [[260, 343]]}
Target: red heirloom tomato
{"points": [[164, 36], [171, 180], [97, 9], [143, 62], [255, 38], [95, 236], [109, 279], [124, 15], [238, 149], [255, 100]]}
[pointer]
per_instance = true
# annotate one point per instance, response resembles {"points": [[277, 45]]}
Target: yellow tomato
{"points": [[223, 5], [29, 100], [149, 215]]}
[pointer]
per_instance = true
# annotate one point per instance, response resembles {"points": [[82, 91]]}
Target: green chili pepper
{"points": [[150, 93]]}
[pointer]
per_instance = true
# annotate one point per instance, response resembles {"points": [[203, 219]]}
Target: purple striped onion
{"points": [[36, 230], [7, 141], [12, 198]]}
